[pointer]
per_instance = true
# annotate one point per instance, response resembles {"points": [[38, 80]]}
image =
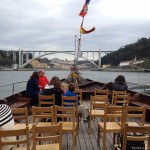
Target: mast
{"points": [[78, 47]]}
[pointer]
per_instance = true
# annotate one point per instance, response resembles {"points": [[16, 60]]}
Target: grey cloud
{"points": [[29, 24]]}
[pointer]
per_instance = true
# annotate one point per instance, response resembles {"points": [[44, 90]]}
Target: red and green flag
{"points": [[85, 8]]}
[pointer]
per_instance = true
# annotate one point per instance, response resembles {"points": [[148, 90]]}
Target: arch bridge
{"points": [[40, 53]]}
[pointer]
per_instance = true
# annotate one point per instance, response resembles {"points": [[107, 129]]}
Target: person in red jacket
{"points": [[43, 81]]}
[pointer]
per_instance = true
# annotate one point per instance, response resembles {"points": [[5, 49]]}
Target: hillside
{"points": [[139, 49]]}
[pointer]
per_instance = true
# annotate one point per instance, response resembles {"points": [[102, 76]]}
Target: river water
{"points": [[101, 76]]}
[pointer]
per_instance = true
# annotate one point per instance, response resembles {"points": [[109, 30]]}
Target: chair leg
{"points": [[90, 123], [104, 140], [98, 141], [114, 138], [73, 141], [76, 130], [78, 120]]}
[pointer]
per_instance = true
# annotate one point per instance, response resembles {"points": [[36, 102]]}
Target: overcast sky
{"points": [[52, 24]]}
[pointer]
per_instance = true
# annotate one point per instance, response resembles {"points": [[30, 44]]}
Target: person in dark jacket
{"points": [[32, 87], [55, 88], [119, 84]]}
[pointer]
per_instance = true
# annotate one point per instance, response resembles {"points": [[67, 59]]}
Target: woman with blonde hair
{"points": [[55, 88], [64, 87]]}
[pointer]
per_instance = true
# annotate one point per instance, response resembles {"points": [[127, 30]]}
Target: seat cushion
{"points": [[44, 124], [47, 147], [68, 126], [110, 126], [22, 126], [95, 112]]}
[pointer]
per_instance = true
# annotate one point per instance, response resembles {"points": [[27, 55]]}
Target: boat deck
{"points": [[85, 140]]}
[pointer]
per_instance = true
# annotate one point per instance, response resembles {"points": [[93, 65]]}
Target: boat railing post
{"points": [[144, 89], [13, 88]]}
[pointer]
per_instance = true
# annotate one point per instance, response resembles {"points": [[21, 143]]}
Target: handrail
{"points": [[13, 85]]}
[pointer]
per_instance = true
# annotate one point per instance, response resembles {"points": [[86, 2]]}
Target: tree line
{"points": [[139, 49]]}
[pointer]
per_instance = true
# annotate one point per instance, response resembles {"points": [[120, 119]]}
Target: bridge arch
{"points": [[58, 52]]}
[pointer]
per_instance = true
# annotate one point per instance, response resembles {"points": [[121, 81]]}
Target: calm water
{"points": [[102, 76]]}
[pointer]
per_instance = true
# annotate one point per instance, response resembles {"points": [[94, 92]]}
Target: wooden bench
{"points": [[21, 102], [140, 103], [17, 101]]}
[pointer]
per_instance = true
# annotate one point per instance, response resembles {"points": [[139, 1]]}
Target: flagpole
{"points": [[75, 51], [79, 41]]}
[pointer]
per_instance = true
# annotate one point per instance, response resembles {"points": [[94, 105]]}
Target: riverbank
{"points": [[122, 70], [107, 70]]}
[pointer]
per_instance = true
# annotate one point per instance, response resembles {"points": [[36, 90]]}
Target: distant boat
{"points": [[146, 70], [96, 69]]}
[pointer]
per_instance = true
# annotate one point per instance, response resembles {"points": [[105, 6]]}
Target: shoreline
{"points": [[107, 70]]}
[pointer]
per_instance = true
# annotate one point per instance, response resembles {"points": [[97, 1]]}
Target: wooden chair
{"points": [[129, 135], [69, 124], [46, 100], [79, 94], [74, 103], [21, 117], [51, 134], [100, 92], [137, 113], [112, 115], [14, 142], [121, 99], [114, 93], [97, 105], [39, 114]]}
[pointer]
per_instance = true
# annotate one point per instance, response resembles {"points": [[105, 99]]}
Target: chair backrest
{"points": [[79, 94], [70, 101], [52, 134], [15, 133], [20, 114], [39, 113], [114, 114], [66, 114], [46, 100], [114, 93], [97, 102], [129, 134], [121, 99], [100, 92], [137, 113]]}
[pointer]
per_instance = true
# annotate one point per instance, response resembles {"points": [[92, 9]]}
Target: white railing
{"points": [[12, 88]]}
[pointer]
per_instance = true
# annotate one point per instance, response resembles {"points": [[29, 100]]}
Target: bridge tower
{"points": [[99, 54]]}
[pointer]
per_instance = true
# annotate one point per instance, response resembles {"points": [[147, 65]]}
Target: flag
{"points": [[78, 52], [85, 8], [83, 31]]}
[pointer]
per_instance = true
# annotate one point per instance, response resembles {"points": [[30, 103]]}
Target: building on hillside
{"points": [[131, 62], [37, 64], [106, 66], [124, 63]]}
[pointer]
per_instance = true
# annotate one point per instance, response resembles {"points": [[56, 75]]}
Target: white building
{"points": [[131, 62], [124, 63]]}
